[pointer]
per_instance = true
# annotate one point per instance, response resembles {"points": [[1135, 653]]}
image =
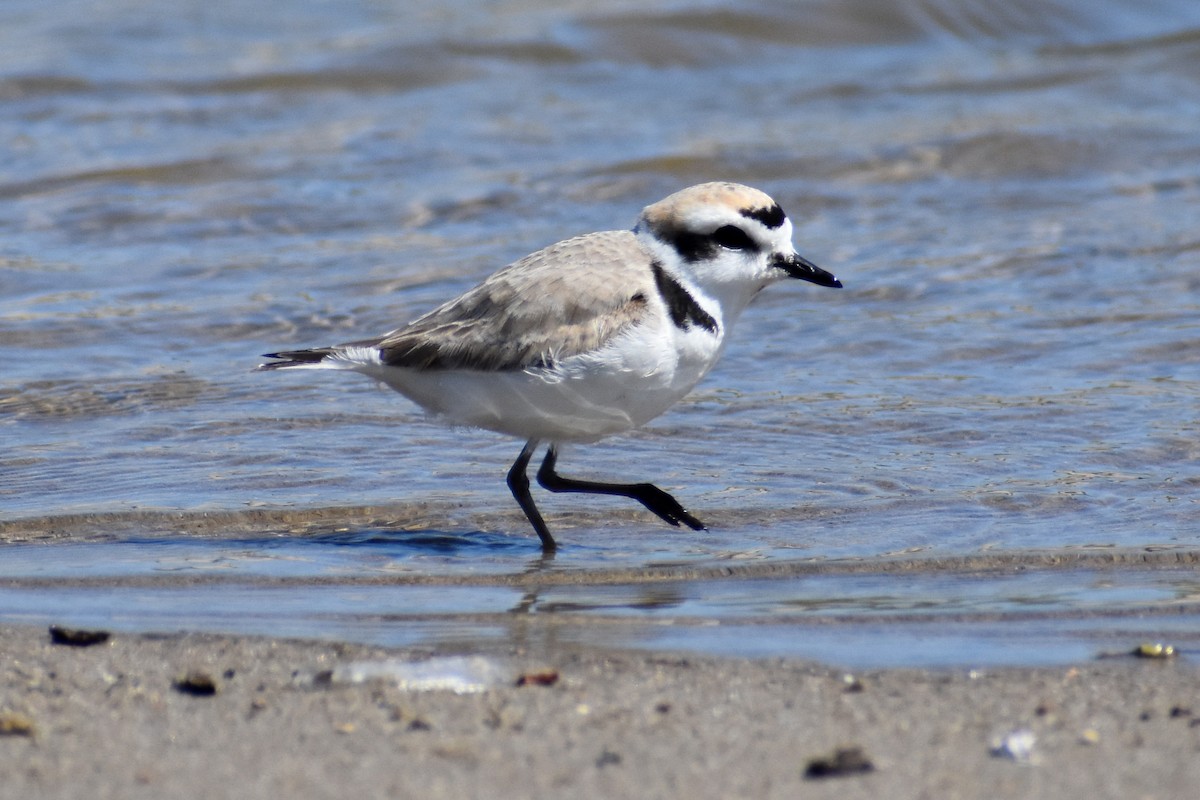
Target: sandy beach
{"points": [[970, 474], [196, 716]]}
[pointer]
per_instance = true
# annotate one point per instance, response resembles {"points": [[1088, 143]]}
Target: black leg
{"points": [[647, 494], [518, 483]]}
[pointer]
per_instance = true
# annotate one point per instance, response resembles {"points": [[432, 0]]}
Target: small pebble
{"points": [[1154, 650], [77, 637], [196, 682], [1017, 746], [540, 677], [13, 723], [843, 761]]}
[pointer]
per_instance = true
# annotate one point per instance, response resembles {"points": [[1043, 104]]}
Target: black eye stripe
{"points": [[692, 246], [700, 246]]}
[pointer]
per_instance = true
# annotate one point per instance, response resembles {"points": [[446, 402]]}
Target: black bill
{"points": [[797, 266]]}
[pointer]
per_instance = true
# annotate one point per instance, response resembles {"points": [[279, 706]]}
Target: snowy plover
{"points": [[589, 337]]}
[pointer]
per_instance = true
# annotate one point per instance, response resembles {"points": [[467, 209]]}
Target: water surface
{"points": [[1008, 193]]}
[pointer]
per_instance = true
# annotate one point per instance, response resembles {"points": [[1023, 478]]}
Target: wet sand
{"points": [[123, 719]]}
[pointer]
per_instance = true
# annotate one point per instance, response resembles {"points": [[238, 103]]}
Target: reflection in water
{"points": [[390, 590]]}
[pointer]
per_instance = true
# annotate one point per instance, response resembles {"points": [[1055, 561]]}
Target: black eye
{"points": [[733, 238]]}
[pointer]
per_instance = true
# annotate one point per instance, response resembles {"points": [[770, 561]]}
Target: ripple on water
{"points": [[1007, 190]]}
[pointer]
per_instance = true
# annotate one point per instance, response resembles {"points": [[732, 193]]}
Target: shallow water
{"points": [[1009, 195]]}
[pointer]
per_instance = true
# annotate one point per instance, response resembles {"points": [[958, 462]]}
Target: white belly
{"points": [[626, 384]]}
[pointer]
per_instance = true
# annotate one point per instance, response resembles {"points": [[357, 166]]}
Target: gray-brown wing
{"points": [[567, 299]]}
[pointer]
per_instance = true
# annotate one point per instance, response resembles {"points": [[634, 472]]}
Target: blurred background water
{"points": [[1009, 192]]}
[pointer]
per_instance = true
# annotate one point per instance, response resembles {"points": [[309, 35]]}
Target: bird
{"points": [[589, 337]]}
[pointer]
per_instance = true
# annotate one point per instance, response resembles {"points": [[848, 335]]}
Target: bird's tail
{"points": [[296, 358]]}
